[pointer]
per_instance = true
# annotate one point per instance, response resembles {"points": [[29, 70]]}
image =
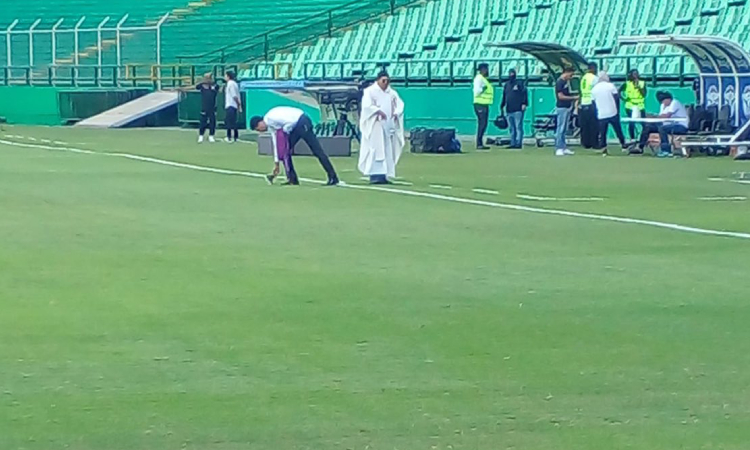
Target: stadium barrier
{"points": [[454, 72]]}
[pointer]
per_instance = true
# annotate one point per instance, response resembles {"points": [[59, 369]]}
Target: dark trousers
{"points": [[208, 122], [231, 122], [304, 130], [664, 131], [589, 126], [631, 125], [604, 129], [483, 115]]}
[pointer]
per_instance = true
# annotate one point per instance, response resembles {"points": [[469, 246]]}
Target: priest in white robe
{"points": [[381, 123]]}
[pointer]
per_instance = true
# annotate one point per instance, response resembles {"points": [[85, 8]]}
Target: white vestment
{"points": [[382, 138]]}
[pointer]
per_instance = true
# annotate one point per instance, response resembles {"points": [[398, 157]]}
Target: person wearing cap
{"points": [[484, 96], [587, 113], [514, 104]]}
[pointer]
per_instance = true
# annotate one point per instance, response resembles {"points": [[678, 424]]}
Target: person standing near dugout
{"points": [[634, 91], [484, 96], [587, 114]]}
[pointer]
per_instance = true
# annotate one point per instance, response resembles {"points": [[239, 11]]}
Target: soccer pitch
{"points": [[160, 295]]}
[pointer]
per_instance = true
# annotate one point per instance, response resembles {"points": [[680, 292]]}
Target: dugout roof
{"points": [[554, 56], [724, 69]]}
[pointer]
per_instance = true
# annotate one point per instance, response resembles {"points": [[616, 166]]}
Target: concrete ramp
{"points": [[132, 110]]}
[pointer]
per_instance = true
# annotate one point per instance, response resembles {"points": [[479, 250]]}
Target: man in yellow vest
{"points": [[587, 113], [484, 96], [634, 92]]}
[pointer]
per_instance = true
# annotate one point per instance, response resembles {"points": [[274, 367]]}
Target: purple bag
{"points": [[282, 144], [285, 153]]}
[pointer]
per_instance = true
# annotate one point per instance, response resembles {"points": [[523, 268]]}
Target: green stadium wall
{"points": [[30, 105], [453, 107], [425, 106]]}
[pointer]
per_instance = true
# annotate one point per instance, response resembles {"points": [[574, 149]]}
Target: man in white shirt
{"points": [[606, 98], [232, 107], [676, 125], [295, 124]]}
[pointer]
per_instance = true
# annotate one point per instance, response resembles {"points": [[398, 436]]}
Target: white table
{"points": [[652, 120]]}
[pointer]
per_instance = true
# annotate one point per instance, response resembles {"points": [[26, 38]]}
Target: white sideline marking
{"points": [[440, 186], [485, 191], [394, 181], [560, 199], [467, 201], [723, 199], [730, 180]]}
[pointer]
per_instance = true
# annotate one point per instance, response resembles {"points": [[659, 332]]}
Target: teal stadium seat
{"points": [[589, 27]]}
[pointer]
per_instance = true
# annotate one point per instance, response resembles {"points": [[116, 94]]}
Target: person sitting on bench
{"points": [[678, 124]]}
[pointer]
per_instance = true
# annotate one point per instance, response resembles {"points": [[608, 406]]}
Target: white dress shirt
{"points": [[478, 84], [231, 95], [281, 118], [676, 111], [603, 95]]}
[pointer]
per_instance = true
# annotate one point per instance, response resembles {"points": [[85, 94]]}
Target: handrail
{"points": [[289, 28], [465, 60]]}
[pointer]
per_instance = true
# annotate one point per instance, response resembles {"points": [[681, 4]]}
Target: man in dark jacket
{"points": [[208, 90], [514, 104]]}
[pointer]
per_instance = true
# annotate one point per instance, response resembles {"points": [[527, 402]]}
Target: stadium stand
{"points": [[193, 27], [449, 34], [454, 30]]}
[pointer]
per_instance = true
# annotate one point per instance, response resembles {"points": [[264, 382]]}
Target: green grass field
{"points": [[154, 307]]}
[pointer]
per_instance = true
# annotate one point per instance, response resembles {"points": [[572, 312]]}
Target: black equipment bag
{"points": [[440, 140]]}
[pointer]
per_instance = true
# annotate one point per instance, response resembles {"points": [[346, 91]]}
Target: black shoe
{"points": [[482, 147], [290, 183], [270, 179], [332, 182]]}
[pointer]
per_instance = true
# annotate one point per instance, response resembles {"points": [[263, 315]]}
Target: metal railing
{"points": [[459, 71], [166, 76], [30, 55], [266, 44], [403, 72]]}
